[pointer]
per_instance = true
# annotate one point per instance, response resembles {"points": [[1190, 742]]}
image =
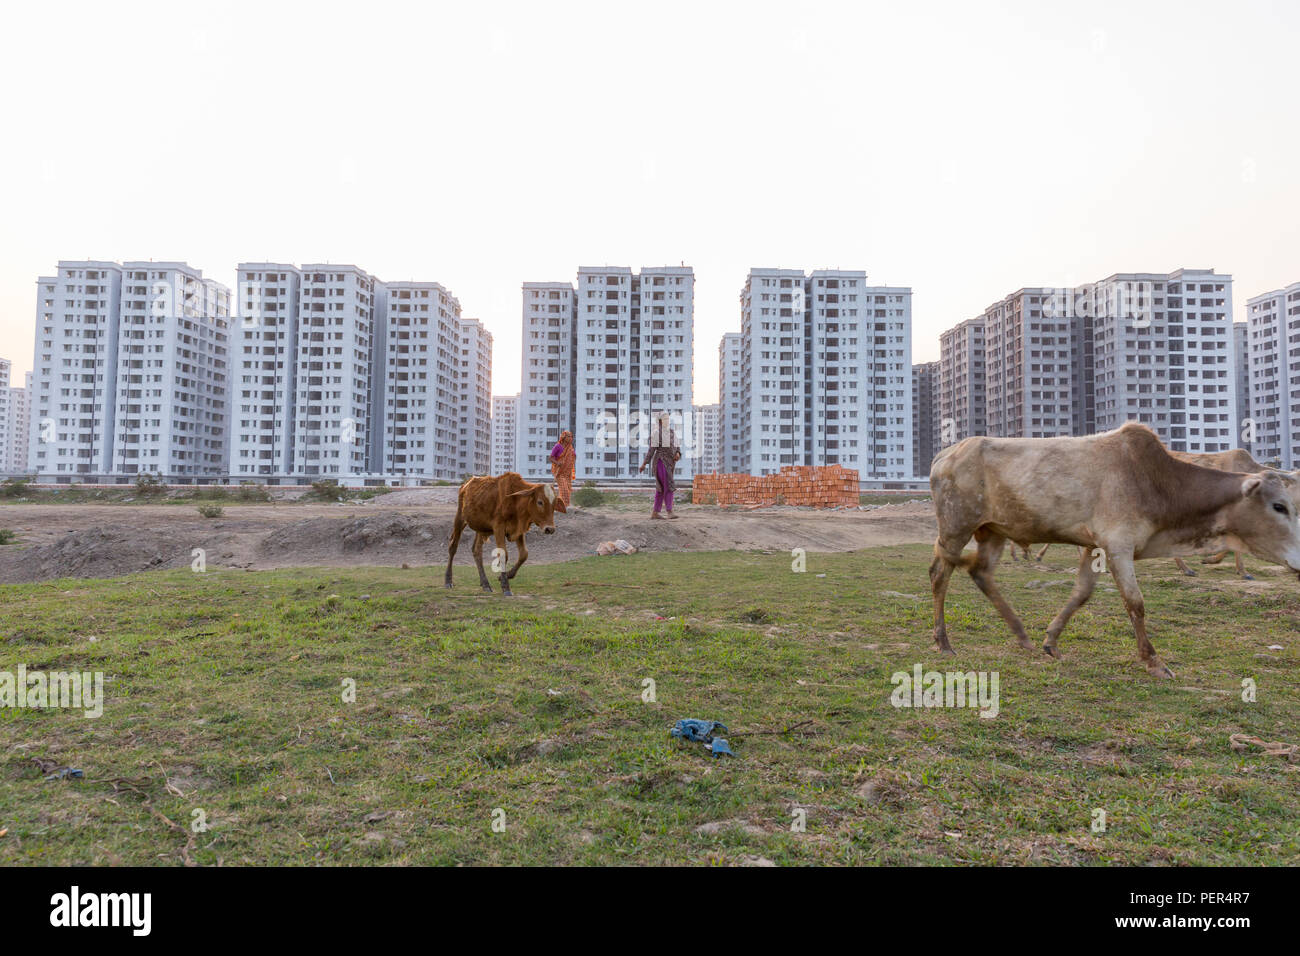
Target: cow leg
{"points": [[505, 575], [940, 573], [1182, 566], [522, 556], [1122, 570], [989, 549], [1043, 550], [457, 527], [480, 537], [1241, 568], [1083, 588]]}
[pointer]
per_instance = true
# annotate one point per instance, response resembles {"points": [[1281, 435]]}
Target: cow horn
{"points": [[550, 493]]}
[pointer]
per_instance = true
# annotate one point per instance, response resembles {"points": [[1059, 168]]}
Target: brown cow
{"points": [[1238, 459], [1120, 492], [504, 507]]}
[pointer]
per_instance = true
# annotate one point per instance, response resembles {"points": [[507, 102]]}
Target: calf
{"points": [[504, 507], [1120, 491]]}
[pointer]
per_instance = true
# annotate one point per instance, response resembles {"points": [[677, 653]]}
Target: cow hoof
{"points": [[447, 585], [946, 652], [1248, 577], [487, 588], [1052, 652], [1027, 644], [1157, 668], [1190, 573]]}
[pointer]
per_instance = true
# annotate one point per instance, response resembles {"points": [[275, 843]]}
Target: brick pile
{"points": [[832, 486]]}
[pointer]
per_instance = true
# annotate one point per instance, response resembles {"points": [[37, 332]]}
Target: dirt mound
{"points": [[97, 540], [106, 551]]}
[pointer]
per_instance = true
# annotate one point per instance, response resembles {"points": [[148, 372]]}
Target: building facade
{"points": [[131, 373], [505, 416], [925, 417], [265, 370], [708, 433], [730, 396], [1272, 360], [602, 358], [963, 409], [826, 373], [546, 404]]}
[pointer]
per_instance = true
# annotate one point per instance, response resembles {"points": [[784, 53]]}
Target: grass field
{"points": [[224, 695]]}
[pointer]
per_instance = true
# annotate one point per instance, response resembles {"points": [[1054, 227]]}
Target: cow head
{"points": [[540, 502], [1267, 518]]}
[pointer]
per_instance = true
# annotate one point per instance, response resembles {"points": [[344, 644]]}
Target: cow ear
{"points": [[1251, 485]]}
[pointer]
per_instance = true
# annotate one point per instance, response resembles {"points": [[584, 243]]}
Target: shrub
{"points": [[14, 487], [6, 536], [150, 486], [588, 496], [211, 511], [328, 489], [251, 491]]}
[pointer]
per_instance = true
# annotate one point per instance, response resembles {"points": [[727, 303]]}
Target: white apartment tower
{"points": [[708, 434], [601, 359], [7, 437], [472, 436], [505, 414], [1273, 320], [731, 354], [419, 381], [173, 374], [634, 348], [74, 370], [19, 426], [827, 373], [333, 399], [1163, 355], [546, 405], [265, 364]]}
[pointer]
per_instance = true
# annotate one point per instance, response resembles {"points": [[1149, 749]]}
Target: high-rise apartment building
{"points": [[602, 358], [1028, 362], [1273, 361], [505, 415], [265, 370], [6, 419], [633, 359], [963, 410], [731, 356], [1155, 348], [473, 437], [74, 370], [131, 372], [19, 427], [708, 435], [826, 371], [333, 396], [1163, 356], [925, 416], [546, 405]]}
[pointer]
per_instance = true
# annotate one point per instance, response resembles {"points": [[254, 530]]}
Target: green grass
{"points": [[224, 695]]}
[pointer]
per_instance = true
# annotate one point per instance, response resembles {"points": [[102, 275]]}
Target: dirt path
{"points": [[408, 527]]}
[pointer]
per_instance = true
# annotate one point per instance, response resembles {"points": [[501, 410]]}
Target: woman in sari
{"points": [[563, 459], [663, 456]]}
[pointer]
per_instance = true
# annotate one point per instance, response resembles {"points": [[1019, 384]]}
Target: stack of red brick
{"points": [[832, 486]]}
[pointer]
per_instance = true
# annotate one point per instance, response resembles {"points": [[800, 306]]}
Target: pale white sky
{"points": [[965, 149]]}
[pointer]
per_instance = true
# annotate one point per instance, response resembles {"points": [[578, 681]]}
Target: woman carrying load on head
{"points": [[663, 455], [563, 459]]}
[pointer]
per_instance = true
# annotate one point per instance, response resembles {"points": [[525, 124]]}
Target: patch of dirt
{"points": [[407, 527]]}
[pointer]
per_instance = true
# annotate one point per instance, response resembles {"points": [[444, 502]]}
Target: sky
{"points": [[963, 149]]}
